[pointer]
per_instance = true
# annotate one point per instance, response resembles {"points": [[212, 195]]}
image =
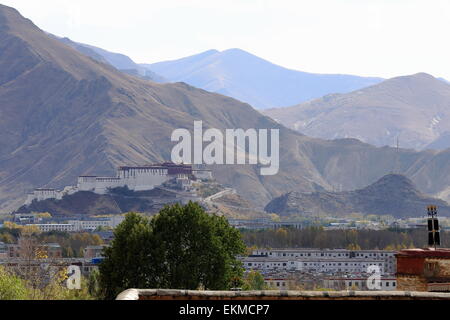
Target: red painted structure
{"points": [[423, 269]]}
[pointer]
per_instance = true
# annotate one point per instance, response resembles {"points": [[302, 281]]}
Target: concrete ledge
{"points": [[171, 294], [130, 294]]}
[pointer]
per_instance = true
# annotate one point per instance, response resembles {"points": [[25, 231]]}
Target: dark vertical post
{"points": [[434, 238]]}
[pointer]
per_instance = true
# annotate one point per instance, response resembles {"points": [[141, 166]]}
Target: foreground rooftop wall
{"points": [[167, 294]]}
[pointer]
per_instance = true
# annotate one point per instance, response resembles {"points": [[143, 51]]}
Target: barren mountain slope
{"points": [[415, 109], [393, 195]]}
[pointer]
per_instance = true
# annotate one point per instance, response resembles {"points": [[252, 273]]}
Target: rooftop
{"points": [[425, 253], [164, 165]]}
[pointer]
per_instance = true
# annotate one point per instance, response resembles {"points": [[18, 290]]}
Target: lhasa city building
{"points": [[141, 178]]}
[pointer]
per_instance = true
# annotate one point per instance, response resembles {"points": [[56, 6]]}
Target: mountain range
{"points": [[248, 78], [425, 101], [393, 195], [119, 61], [415, 110], [64, 113]]}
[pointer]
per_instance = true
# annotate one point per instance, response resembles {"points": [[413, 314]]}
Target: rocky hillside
{"points": [[415, 109], [116, 202], [235, 207], [393, 195]]}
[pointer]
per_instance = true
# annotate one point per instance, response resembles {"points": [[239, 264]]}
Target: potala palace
{"points": [[139, 178]]}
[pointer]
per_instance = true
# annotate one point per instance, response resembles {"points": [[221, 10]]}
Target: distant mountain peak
{"points": [[394, 178], [393, 183], [209, 52], [236, 51], [413, 109], [421, 76], [392, 194], [244, 76]]}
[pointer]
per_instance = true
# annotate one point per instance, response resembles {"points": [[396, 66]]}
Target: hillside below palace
{"points": [[140, 178]]}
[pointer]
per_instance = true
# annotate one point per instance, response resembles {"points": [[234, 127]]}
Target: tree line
{"points": [[72, 244], [318, 237]]}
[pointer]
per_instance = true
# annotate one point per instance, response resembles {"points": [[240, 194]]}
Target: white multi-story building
{"points": [[81, 225], [387, 257], [92, 224], [141, 178], [312, 265], [342, 265], [46, 227]]}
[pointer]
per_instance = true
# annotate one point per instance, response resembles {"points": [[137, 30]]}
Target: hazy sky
{"points": [[366, 37]]}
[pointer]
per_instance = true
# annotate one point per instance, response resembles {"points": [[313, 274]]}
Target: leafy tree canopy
{"points": [[11, 286], [254, 281], [182, 247]]}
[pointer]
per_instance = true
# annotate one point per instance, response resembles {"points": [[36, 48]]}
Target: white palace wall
{"points": [[141, 179], [135, 178]]}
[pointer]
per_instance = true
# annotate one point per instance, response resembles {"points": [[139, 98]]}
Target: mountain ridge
{"points": [[393, 194], [246, 77], [412, 108], [119, 61]]}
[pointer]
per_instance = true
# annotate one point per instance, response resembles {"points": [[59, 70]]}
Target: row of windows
{"points": [[340, 264], [366, 255], [68, 228], [261, 264], [386, 284], [152, 171], [277, 284], [346, 266]]}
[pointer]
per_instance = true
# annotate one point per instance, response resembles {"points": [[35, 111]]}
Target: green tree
{"points": [[128, 261], [11, 286], [254, 281], [182, 247], [93, 284], [199, 249]]}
